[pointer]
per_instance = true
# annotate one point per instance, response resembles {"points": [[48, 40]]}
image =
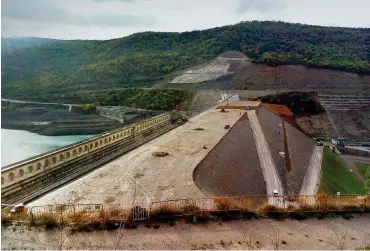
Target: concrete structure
{"points": [[69, 106], [32, 177]]}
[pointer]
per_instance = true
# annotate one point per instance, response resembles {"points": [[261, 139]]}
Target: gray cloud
{"points": [[51, 13], [261, 6]]}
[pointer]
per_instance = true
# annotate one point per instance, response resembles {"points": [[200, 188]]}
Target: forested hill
{"points": [[143, 58], [8, 43]]}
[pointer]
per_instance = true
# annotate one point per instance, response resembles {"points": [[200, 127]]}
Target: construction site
{"points": [[231, 159], [231, 155]]}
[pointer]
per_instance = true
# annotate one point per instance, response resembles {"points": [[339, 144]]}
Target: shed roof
{"points": [[280, 110]]}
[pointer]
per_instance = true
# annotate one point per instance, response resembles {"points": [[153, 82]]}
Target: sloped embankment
{"points": [[300, 148], [232, 167]]}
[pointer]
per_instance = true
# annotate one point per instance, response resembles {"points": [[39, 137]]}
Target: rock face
{"points": [[232, 167]]}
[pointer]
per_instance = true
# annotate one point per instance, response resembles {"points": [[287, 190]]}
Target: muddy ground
{"points": [[328, 233]]}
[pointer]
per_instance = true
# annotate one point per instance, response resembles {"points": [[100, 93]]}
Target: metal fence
{"points": [[185, 207], [167, 208]]}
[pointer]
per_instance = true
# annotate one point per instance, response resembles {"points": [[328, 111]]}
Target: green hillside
{"points": [[336, 177], [141, 59]]}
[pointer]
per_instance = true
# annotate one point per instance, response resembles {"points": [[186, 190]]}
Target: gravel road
{"points": [[312, 178], [264, 154]]}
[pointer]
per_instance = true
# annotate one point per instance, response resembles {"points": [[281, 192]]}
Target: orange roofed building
{"points": [[280, 110]]}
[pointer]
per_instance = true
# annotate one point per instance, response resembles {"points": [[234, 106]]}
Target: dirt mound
{"points": [[232, 167]]}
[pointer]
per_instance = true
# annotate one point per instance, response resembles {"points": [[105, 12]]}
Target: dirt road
{"points": [[312, 177], [269, 170], [352, 161], [329, 234]]}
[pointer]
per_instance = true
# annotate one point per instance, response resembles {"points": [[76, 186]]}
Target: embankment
{"points": [[232, 167]]}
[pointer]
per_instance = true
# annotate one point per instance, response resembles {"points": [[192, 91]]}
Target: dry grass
{"points": [[225, 204], [7, 217], [48, 220], [268, 209], [166, 210], [102, 218]]}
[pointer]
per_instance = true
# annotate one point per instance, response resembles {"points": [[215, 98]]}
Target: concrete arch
{"points": [[86, 148], [121, 135], [30, 169], [11, 176], [38, 166], [46, 162], [91, 146], [68, 154], [80, 149], [20, 173], [74, 152], [96, 144], [109, 139], [114, 137], [54, 160], [101, 142], [105, 141], [2, 180], [61, 157]]}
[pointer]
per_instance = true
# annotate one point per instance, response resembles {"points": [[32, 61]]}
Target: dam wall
{"points": [[30, 178]]}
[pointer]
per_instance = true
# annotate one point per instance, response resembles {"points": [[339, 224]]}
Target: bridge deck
{"points": [[156, 178]]}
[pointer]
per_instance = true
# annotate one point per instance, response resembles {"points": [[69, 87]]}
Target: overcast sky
{"points": [[104, 19]]}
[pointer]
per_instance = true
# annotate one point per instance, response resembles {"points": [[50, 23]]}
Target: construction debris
{"points": [[160, 154]]}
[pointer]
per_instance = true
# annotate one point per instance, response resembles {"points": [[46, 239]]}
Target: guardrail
{"points": [[259, 205]]}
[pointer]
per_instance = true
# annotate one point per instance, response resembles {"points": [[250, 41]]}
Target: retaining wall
{"points": [[27, 179]]}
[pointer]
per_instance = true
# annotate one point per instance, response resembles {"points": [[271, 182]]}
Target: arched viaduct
{"points": [[30, 178]]}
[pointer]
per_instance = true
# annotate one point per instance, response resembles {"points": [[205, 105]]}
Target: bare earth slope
{"points": [[300, 78], [232, 167], [300, 148]]}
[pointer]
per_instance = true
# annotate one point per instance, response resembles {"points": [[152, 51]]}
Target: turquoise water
{"points": [[18, 145]]}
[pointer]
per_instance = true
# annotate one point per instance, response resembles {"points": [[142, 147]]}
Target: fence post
{"points": [[31, 214], [61, 213]]}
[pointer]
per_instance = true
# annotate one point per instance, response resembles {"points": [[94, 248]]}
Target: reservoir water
{"points": [[18, 145]]}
